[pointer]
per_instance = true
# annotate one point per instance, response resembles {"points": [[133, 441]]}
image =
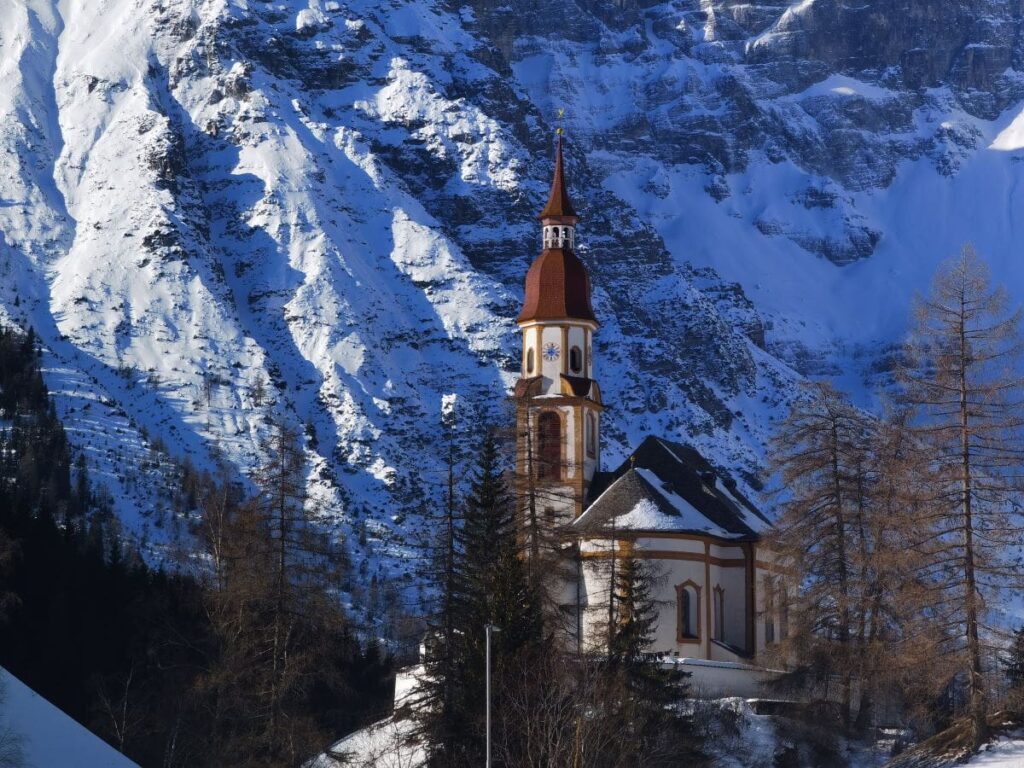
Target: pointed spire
{"points": [[559, 205]]}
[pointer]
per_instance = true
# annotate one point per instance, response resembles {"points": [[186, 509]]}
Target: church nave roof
{"points": [[667, 486]]}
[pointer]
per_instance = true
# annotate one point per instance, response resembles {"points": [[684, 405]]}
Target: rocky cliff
{"points": [[339, 199]]}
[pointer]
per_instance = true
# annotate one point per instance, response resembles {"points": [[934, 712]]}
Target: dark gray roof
{"points": [[684, 494]]}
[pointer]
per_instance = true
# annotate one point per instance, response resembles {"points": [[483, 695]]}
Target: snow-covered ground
{"points": [[737, 737], [1007, 752], [382, 745], [49, 738]]}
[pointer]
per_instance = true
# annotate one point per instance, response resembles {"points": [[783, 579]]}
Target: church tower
{"points": [[558, 401]]}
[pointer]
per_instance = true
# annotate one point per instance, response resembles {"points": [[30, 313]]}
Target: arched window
{"points": [[688, 610], [549, 445], [719, 613], [591, 435], [576, 360], [529, 360], [686, 628], [769, 611]]}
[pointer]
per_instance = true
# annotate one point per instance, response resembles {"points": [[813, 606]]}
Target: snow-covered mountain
{"points": [[339, 197]]}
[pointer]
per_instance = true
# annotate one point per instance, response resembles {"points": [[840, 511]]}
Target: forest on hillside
{"points": [[241, 655], [900, 532]]}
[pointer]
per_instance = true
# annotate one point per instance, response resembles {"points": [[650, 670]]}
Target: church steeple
{"points": [[559, 205], [557, 285], [558, 400]]}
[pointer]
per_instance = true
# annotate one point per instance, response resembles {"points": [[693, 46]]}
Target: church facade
{"points": [[720, 596]]}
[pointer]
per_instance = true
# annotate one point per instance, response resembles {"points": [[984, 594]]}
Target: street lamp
{"points": [[488, 631]]}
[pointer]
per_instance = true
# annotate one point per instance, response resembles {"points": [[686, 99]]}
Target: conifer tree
{"points": [[483, 581], [497, 590], [649, 695], [439, 721], [962, 381]]}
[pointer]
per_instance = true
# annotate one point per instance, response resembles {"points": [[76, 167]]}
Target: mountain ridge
{"points": [[340, 197]]}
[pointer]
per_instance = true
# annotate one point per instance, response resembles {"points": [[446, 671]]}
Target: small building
{"points": [[720, 596]]}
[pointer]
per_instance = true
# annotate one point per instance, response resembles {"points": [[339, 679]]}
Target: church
{"points": [[721, 600]]}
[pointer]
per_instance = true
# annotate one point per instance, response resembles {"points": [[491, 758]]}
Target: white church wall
{"points": [[577, 338], [569, 419], [715, 679], [594, 619], [733, 582], [725, 552], [560, 500], [684, 564], [674, 544], [769, 574], [670, 574], [552, 369]]}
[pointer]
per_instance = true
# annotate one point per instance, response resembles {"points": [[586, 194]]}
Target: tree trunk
{"points": [[846, 684], [976, 680]]}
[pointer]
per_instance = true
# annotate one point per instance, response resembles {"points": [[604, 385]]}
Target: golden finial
{"points": [[561, 115]]}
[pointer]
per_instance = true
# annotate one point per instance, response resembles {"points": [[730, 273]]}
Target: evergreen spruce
{"points": [[482, 581], [438, 718], [650, 694], [497, 590]]}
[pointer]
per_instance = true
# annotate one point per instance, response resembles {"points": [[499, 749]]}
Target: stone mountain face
{"points": [[340, 198]]}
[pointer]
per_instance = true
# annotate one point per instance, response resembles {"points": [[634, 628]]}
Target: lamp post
{"points": [[489, 629]]}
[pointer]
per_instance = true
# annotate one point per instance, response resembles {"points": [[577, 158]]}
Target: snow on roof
{"points": [[670, 487], [688, 516], [646, 516], [49, 737]]}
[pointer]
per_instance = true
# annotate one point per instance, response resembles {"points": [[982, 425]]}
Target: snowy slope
{"points": [[47, 736], [339, 197], [1004, 753]]}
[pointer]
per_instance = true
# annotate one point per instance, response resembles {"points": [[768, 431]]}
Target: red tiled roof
{"points": [[557, 288]]}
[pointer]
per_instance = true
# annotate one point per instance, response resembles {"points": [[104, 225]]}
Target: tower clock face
{"points": [[551, 351]]}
